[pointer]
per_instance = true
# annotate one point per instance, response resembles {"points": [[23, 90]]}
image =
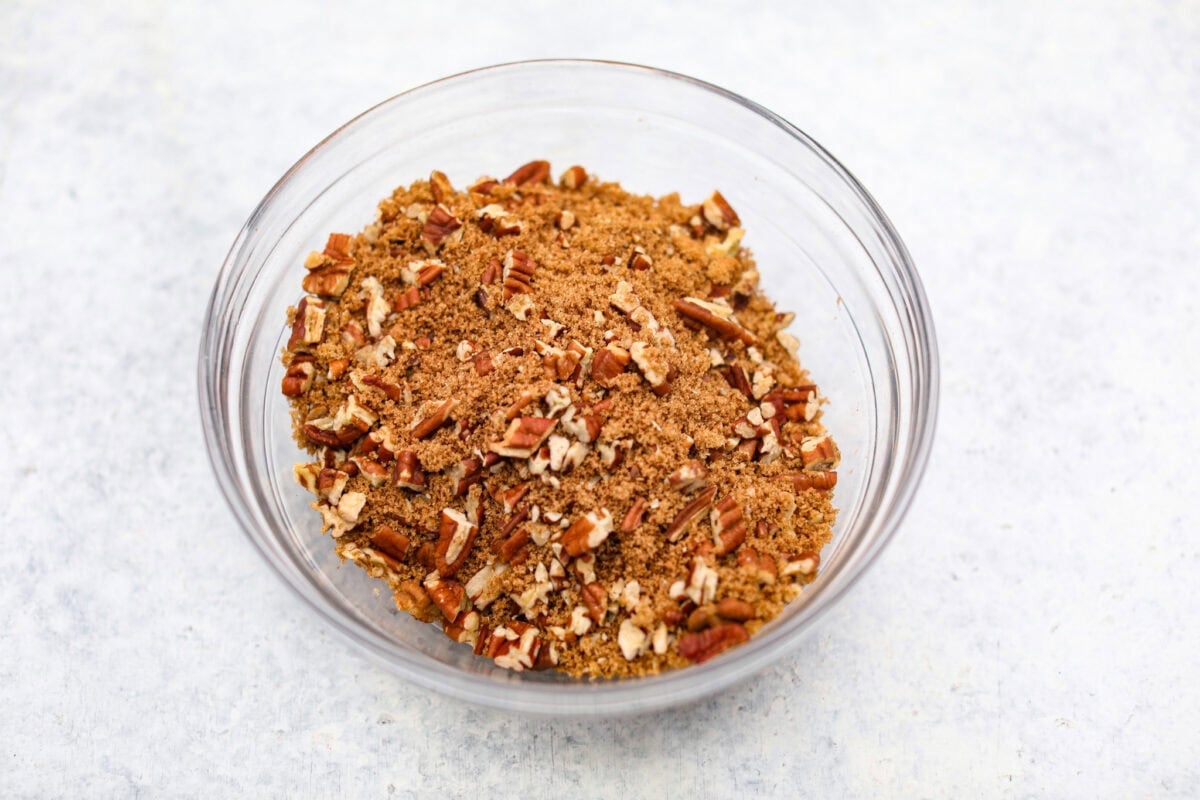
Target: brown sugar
{"points": [[561, 420]]}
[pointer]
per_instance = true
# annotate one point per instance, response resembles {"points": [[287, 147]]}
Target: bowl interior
{"points": [[815, 239]]}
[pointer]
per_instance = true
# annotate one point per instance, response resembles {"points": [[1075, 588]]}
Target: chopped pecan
{"points": [[523, 437], [512, 549], [565, 220], [425, 427], [609, 362], [409, 474], [805, 563], [763, 565], [818, 453], [428, 272], [700, 647], [736, 376], [518, 273], [450, 596], [440, 186], [701, 617], [728, 525], [388, 540], [725, 327], [330, 437], [352, 334], [596, 600], [718, 213], [533, 172], [412, 597], [337, 247], [588, 532], [393, 392], [299, 376], [483, 185], [639, 259], [309, 324], [510, 497], [466, 474], [330, 280], [407, 298], [735, 610], [693, 509], [633, 517], [819, 479], [654, 367], [490, 272], [690, 478], [497, 221], [575, 177], [456, 535], [439, 226]]}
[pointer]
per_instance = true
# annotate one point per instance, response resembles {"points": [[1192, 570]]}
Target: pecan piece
{"points": [[518, 273], [735, 375], [329, 437], [456, 535], [609, 362], [299, 376], [409, 474], [425, 427], [309, 324], [439, 226], [718, 213], [393, 392], [700, 647], [588, 532], [495, 220], [728, 525], [512, 549], [330, 280], [440, 186], [820, 479], [533, 172], [596, 600], [690, 478], [412, 597], [639, 259], [466, 474], [450, 596], [654, 367], [523, 437], [725, 327], [735, 610], [633, 517], [575, 177], [390, 541], [695, 508], [818, 453]]}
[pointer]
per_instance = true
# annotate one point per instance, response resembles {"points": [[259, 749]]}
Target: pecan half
{"points": [[533, 172], [523, 437], [700, 647], [724, 327], [456, 535], [439, 226], [688, 513], [588, 532]]}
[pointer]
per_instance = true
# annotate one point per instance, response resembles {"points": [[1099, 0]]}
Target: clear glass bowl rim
{"points": [[625, 696]]}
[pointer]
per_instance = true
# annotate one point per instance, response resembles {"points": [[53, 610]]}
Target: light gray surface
{"points": [[1032, 631]]}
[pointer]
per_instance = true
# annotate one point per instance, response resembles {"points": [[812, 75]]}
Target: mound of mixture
{"points": [[562, 421]]}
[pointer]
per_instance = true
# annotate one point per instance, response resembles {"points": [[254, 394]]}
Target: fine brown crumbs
{"points": [[561, 420]]}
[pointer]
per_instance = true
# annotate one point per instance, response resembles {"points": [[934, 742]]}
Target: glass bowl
{"points": [[824, 248]]}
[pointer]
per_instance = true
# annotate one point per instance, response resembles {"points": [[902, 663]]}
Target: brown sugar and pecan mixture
{"points": [[561, 420]]}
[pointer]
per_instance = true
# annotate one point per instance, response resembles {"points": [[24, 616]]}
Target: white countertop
{"points": [[1031, 632]]}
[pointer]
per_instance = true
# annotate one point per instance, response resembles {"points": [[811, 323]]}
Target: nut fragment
{"points": [[633, 517], [440, 225], [725, 327], [449, 596], [440, 186], [299, 376], [523, 437], [718, 213], [455, 537], [609, 362], [390, 541], [819, 453], [688, 513], [654, 366], [631, 639], [588, 532], [497, 221], [518, 273], [574, 177], [700, 647], [735, 610], [533, 172], [412, 597], [425, 427], [308, 327], [690, 478], [821, 480], [639, 260]]}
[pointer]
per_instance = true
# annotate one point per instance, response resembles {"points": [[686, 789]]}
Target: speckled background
{"points": [[1031, 632]]}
